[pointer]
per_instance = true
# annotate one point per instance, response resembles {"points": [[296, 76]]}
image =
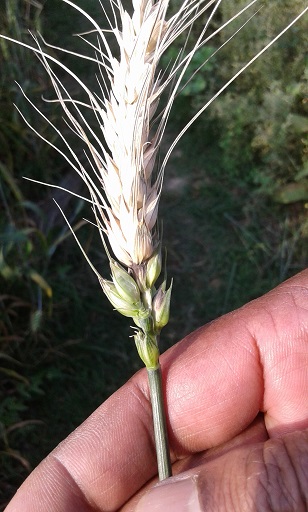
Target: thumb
{"points": [[268, 476]]}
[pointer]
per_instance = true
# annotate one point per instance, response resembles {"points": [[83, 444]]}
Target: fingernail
{"points": [[174, 495]]}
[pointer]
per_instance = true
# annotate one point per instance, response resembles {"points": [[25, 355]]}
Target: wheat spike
{"points": [[123, 189], [128, 211], [123, 181]]}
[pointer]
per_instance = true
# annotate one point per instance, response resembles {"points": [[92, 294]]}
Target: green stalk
{"points": [[159, 421]]}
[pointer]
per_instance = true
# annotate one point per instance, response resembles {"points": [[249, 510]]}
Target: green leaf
{"points": [[298, 123], [8, 177], [38, 279], [13, 374], [292, 192], [303, 173]]}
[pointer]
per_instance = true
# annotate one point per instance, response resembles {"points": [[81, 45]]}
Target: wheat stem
{"points": [[159, 422]]}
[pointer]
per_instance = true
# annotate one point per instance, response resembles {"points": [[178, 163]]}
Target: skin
{"points": [[236, 392]]}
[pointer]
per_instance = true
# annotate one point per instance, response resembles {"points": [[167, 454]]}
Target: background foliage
{"points": [[234, 209]]}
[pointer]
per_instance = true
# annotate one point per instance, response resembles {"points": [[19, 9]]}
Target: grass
{"points": [[226, 243]]}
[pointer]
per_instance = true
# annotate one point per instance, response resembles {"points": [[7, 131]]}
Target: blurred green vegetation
{"points": [[260, 122], [234, 210]]}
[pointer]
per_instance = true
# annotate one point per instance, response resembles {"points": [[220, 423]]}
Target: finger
{"points": [[282, 340], [268, 476], [255, 433], [215, 387], [255, 358]]}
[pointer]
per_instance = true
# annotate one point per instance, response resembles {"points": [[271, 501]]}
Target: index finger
{"points": [[216, 380]]}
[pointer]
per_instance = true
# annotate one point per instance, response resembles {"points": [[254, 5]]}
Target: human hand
{"points": [[236, 392]]}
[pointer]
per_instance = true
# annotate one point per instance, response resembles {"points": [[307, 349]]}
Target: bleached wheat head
{"points": [[126, 197], [123, 181], [127, 211]]}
